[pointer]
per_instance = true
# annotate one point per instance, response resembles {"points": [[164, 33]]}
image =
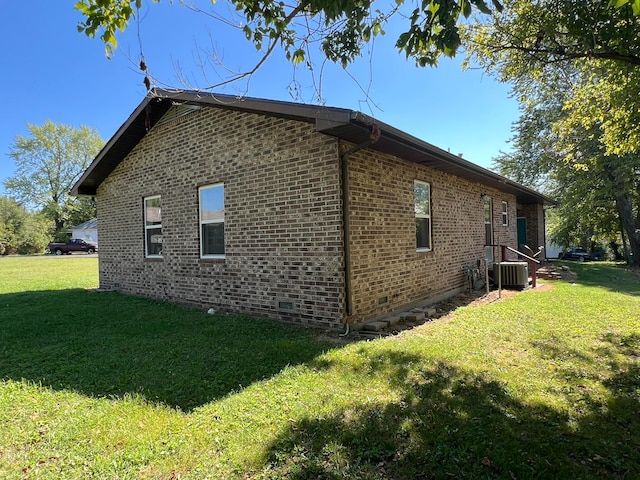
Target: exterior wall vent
{"points": [[177, 111], [285, 305], [513, 274]]}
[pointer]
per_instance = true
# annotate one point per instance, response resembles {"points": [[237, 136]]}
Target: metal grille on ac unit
{"points": [[513, 274]]}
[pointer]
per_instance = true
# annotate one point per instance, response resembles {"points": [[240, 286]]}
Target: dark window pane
{"points": [[488, 240], [213, 239], [154, 241], [423, 234]]}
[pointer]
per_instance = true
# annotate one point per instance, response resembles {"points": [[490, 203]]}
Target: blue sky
{"points": [[50, 71]]}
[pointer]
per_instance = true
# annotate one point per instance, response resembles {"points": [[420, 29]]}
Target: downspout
{"points": [[374, 136]]}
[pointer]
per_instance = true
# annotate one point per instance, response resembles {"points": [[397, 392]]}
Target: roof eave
{"points": [[408, 147], [341, 123], [80, 188], [134, 129]]}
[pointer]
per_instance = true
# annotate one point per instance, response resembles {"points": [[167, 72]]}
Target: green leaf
{"points": [[82, 7], [482, 6], [247, 32], [298, 56], [466, 8], [107, 37], [617, 3], [401, 43], [366, 34]]}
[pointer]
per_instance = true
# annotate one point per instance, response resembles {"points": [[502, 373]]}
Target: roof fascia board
{"points": [[327, 120], [112, 141], [413, 142], [309, 113], [409, 141]]}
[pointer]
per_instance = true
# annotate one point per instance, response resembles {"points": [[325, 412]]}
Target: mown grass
{"points": [[100, 385]]}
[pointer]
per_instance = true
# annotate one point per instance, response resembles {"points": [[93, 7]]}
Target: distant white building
{"points": [[552, 250], [87, 231]]}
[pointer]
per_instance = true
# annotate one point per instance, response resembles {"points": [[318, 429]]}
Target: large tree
{"points": [[49, 161], [528, 39], [561, 146], [21, 231], [340, 27], [575, 67], [569, 28]]}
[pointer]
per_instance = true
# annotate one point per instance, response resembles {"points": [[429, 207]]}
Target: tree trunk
{"points": [[625, 247], [625, 210]]}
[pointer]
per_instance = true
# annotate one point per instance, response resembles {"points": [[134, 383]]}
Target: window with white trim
{"points": [[422, 201], [505, 214], [211, 200], [153, 227]]}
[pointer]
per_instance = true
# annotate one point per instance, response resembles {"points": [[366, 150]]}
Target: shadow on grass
{"points": [[449, 423], [616, 277], [108, 344]]}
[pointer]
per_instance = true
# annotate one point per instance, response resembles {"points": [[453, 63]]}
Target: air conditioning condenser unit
{"points": [[512, 274]]}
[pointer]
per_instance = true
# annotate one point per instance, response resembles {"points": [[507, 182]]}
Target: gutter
{"points": [[374, 136]]}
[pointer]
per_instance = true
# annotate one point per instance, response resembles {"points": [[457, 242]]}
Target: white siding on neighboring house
{"points": [[87, 231], [552, 251]]}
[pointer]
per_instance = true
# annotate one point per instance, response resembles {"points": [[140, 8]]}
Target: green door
{"points": [[522, 231]]}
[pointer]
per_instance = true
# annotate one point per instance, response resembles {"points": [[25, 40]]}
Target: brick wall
{"points": [[283, 225], [388, 273], [283, 217], [504, 235]]}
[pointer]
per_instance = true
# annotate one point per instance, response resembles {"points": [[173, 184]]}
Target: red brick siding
{"points": [[283, 217]]}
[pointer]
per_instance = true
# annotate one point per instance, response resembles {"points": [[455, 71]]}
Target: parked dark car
{"points": [[579, 254], [72, 245], [597, 255]]}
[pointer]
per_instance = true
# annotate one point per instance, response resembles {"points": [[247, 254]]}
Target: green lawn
{"points": [[100, 385]]}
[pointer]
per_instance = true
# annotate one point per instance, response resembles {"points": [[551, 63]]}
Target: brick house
{"points": [[314, 215]]}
